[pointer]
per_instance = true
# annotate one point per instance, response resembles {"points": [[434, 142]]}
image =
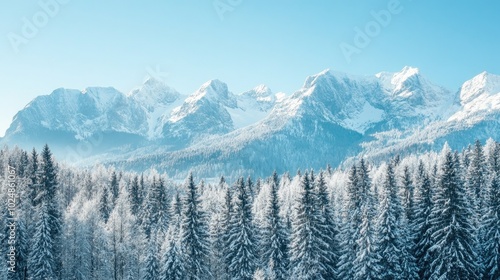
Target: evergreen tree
{"points": [[242, 248], [366, 264], [391, 234], [452, 252], [151, 262], [421, 224], [408, 194], [351, 225], [195, 238], [105, 204], [491, 229], [45, 260], [476, 177], [135, 201], [172, 267], [155, 212], [227, 215], [328, 230], [274, 236], [307, 245], [114, 187], [42, 263]]}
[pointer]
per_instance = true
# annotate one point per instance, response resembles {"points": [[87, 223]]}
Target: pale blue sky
{"points": [[278, 43]]}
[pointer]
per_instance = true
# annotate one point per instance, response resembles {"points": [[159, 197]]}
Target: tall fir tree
{"points": [[172, 266], [351, 224], [491, 224], [274, 236], [307, 246], [195, 237], [242, 236], [45, 259], [155, 212], [421, 225], [328, 229], [151, 262], [135, 201], [114, 187], [227, 216], [452, 251]]}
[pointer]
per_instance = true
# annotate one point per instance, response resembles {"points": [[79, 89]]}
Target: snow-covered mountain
{"points": [[332, 117]]}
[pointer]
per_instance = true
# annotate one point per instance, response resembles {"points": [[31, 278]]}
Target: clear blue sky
{"points": [[278, 43]]}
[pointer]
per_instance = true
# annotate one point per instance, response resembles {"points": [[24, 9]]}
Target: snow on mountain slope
{"points": [[331, 117], [252, 106], [479, 97], [81, 112], [158, 100]]}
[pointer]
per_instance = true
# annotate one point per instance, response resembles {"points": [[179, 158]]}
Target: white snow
{"points": [[364, 119]]}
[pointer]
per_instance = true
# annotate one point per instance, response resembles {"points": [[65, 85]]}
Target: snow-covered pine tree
{"points": [[452, 252], [350, 226], [114, 187], [306, 243], [491, 223], [328, 229], [45, 259], [242, 247], [195, 236], [227, 216], [274, 235], [155, 212], [105, 206], [151, 264], [421, 224], [367, 259], [42, 264], [476, 177], [171, 265], [396, 261], [135, 201], [124, 238], [389, 228]]}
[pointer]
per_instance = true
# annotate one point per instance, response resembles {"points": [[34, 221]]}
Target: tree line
{"points": [[433, 216]]}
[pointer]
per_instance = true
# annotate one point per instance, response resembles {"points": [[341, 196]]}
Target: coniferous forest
{"points": [[432, 216]]}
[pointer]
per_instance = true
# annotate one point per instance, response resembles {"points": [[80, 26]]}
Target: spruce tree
{"points": [[421, 224], [452, 253], [274, 236], [306, 243], [242, 250], [328, 230], [105, 207], [491, 229], [45, 259], [114, 187], [155, 212], [195, 237], [151, 262], [227, 215], [351, 224], [172, 266], [135, 201]]}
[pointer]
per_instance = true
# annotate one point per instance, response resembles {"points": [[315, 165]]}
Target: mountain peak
{"points": [[154, 91], [483, 83]]}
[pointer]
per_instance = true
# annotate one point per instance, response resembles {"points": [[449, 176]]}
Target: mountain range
{"points": [[332, 118]]}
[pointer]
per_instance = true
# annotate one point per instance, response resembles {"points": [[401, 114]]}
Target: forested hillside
{"points": [[432, 216]]}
